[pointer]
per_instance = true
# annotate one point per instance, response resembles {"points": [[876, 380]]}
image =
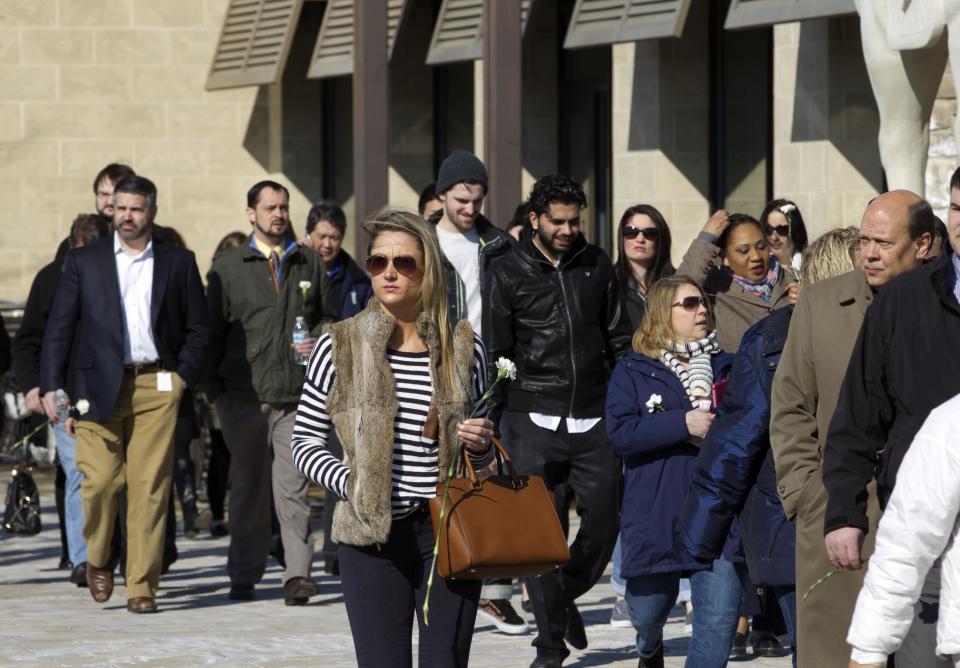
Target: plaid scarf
{"points": [[697, 376], [763, 289]]}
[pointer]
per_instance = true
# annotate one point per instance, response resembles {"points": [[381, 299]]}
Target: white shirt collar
{"points": [[118, 248]]}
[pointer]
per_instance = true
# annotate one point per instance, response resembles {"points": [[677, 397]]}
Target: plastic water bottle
{"points": [[300, 334], [62, 402]]}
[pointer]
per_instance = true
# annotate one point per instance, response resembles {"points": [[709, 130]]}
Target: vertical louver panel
{"points": [[254, 43], [333, 54], [753, 13], [599, 22], [458, 35]]}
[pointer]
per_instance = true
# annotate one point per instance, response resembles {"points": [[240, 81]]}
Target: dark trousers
{"points": [[383, 587], [217, 472], [587, 466]]}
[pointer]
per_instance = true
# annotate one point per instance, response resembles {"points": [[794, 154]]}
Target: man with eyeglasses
{"points": [[554, 309], [895, 234], [254, 373]]}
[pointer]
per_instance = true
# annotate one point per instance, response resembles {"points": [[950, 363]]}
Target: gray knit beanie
{"points": [[458, 167]]}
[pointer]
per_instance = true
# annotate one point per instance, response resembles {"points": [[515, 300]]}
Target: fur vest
{"points": [[363, 403]]}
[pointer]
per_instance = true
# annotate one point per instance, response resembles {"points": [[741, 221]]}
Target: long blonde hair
{"points": [[433, 290], [656, 328], [832, 254]]}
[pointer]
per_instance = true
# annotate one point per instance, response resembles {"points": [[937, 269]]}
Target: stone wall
{"points": [[87, 82]]}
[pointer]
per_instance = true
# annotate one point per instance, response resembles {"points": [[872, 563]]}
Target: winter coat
{"points": [[635, 305], [349, 288], [735, 309], [249, 355], [919, 526], [734, 471], [905, 363], [494, 243], [563, 326], [658, 458]]}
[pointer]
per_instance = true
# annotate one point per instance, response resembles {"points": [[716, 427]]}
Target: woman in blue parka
{"points": [[657, 411]]}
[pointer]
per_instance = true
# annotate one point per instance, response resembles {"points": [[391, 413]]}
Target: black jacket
{"points": [[634, 304], [88, 309], [562, 326], [349, 288], [29, 339], [906, 362], [494, 243]]}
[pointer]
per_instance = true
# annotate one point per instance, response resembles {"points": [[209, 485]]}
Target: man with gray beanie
{"points": [[470, 243]]}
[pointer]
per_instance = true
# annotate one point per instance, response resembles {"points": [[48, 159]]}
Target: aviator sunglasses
{"points": [[691, 303], [404, 264], [649, 233]]}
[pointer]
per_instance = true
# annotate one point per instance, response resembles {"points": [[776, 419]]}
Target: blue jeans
{"points": [[73, 507], [616, 580], [717, 592]]}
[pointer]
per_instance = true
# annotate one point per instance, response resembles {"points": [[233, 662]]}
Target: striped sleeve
{"points": [[478, 377], [312, 425]]}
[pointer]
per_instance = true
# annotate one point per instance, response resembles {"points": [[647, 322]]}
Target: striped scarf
{"points": [[697, 376]]}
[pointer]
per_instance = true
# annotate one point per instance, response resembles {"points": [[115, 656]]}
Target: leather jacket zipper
{"points": [[573, 367]]}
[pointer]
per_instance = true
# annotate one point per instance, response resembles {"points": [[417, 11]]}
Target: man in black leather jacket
{"points": [[554, 309]]}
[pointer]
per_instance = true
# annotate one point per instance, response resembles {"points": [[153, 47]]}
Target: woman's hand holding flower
{"points": [[476, 434]]}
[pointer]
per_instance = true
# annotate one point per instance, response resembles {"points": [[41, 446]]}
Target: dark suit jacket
{"points": [[88, 305]]}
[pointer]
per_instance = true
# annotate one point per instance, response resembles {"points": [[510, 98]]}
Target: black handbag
{"points": [[21, 514]]}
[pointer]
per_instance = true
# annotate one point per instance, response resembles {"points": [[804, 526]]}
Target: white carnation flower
{"points": [[506, 369], [305, 285], [654, 403], [83, 407]]}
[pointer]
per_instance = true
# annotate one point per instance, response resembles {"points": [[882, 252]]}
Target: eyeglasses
{"points": [[782, 230], [649, 233], [404, 264], [691, 303]]}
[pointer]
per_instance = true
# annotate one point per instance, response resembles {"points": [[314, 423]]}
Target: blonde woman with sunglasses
{"points": [[395, 382], [659, 408]]}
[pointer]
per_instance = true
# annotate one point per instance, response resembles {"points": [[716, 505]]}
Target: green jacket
{"points": [[250, 355]]}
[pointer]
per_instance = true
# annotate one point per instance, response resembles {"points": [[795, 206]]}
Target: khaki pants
{"points": [[133, 448], [824, 618]]}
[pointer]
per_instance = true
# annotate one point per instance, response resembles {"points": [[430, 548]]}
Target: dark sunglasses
{"points": [[404, 264], [649, 233], [782, 230], [691, 303]]}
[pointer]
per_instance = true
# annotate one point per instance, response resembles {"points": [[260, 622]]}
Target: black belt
{"points": [[137, 369]]}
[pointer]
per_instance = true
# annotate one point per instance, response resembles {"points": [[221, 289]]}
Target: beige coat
{"points": [[823, 330], [735, 309]]}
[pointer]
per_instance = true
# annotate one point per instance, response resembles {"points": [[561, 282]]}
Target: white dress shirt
{"points": [[135, 275]]}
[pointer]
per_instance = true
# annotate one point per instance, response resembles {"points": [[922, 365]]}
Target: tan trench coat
{"points": [[823, 330]]}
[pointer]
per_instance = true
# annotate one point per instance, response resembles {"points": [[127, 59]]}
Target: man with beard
{"points": [[554, 309], [256, 294], [135, 305], [103, 186]]}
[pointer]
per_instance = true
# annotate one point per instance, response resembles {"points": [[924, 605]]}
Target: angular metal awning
{"points": [[601, 22], [756, 13], [254, 43], [333, 53], [458, 34]]}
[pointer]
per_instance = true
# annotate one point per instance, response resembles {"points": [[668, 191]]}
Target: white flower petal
{"points": [[83, 407], [305, 285]]}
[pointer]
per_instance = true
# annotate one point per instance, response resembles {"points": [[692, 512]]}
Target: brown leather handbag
{"points": [[498, 526]]}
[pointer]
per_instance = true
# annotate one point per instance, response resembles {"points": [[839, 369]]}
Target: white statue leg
{"points": [[905, 86], [952, 8]]}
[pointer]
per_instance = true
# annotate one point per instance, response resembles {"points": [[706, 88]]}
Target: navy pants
{"points": [[384, 587]]}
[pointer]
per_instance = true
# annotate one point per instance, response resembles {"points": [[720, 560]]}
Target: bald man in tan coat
{"points": [[806, 387]]}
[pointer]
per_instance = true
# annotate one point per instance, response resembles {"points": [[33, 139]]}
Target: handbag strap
{"points": [[502, 457]]}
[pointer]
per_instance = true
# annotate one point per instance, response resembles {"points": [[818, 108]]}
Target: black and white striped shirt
{"points": [[415, 472]]}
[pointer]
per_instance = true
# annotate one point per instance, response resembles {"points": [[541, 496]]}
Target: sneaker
{"points": [[688, 623], [501, 614], [620, 615]]}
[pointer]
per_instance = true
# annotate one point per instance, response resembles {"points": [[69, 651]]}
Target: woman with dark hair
{"points": [[730, 258], [786, 233], [644, 256]]}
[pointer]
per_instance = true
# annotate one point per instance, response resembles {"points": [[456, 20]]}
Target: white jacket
{"points": [[918, 526]]}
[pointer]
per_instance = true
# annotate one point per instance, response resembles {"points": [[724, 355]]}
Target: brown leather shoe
{"points": [[142, 605], [298, 590], [100, 581]]}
